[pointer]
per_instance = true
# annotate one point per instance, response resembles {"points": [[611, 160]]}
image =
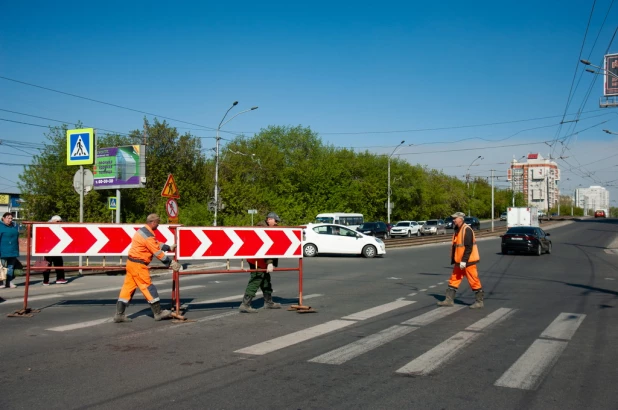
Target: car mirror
{"points": [[547, 234]]}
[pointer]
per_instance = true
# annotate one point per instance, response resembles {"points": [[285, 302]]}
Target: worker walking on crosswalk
{"points": [[465, 256], [143, 247]]}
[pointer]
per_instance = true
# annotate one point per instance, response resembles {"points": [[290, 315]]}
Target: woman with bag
{"points": [[9, 247]]}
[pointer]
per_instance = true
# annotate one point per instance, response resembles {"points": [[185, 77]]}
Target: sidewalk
{"points": [[88, 283]]}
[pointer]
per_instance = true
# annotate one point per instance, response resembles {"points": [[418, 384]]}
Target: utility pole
{"points": [[492, 200]]}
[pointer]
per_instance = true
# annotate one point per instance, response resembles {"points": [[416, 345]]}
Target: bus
{"points": [[351, 220]]}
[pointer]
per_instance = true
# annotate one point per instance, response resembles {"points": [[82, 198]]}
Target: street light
{"points": [[221, 124], [586, 62], [610, 132], [388, 203], [468, 179]]}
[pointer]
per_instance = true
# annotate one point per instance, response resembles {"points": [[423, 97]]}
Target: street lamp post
{"points": [[388, 202], [221, 124], [586, 62], [468, 179]]}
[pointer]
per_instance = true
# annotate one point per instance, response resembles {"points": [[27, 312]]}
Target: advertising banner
{"points": [[120, 167], [611, 81]]}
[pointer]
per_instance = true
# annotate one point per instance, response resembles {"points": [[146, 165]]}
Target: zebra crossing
{"points": [[527, 373]]}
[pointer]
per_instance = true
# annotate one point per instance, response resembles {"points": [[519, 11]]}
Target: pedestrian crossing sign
{"points": [[80, 146], [111, 202]]}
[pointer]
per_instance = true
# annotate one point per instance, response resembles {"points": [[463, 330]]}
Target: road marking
{"points": [[294, 338], [432, 315], [432, 286], [239, 299], [440, 283], [563, 327], [412, 294], [422, 290], [81, 325], [352, 350], [530, 369], [378, 310], [442, 353], [362, 346]]}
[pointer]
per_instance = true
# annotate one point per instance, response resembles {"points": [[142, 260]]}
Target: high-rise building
{"points": [[591, 199], [537, 179]]}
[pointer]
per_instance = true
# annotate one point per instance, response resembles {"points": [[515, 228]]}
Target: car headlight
{"points": [[380, 241]]}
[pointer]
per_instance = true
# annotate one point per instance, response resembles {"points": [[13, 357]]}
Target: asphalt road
{"points": [[545, 339]]}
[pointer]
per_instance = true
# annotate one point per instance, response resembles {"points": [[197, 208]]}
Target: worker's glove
{"points": [[175, 266], [172, 247], [462, 265], [270, 268]]}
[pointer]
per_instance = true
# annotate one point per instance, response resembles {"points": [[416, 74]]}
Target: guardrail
{"points": [[423, 240]]}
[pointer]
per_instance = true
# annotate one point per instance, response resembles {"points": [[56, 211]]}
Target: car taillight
{"points": [[529, 237]]}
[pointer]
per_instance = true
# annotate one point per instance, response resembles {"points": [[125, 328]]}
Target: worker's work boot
{"points": [[478, 296], [158, 313], [245, 306], [268, 302], [449, 299], [120, 317]]}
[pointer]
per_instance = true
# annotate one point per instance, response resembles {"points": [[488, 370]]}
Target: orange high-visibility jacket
{"points": [[145, 245], [459, 248]]}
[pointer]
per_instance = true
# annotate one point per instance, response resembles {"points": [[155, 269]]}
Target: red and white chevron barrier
{"points": [[89, 239], [238, 243]]}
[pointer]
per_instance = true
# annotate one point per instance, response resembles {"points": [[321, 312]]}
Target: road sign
{"points": [[252, 211], [111, 202], [170, 190], [90, 239], [171, 207], [80, 146], [88, 181], [238, 243]]}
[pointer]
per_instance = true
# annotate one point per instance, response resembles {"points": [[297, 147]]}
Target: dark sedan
{"points": [[526, 239], [473, 221]]}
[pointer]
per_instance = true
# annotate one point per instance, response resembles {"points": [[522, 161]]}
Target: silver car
{"points": [[434, 227], [406, 228]]}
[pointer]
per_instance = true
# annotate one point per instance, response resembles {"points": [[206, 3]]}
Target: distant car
{"points": [[406, 228], [377, 229], [448, 222], [503, 216], [338, 239], [434, 227], [526, 239], [473, 221], [599, 214]]}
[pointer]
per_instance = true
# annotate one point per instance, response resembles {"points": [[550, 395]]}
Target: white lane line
{"points": [[432, 286], [432, 315], [412, 294], [440, 283], [498, 315], [294, 338], [439, 355], [352, 350], [422, 290], [378, 310], [239, 299], [31, 299], [564, 326], [81, 325], [530, 369]]}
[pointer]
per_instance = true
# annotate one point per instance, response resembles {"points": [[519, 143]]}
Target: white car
{"points": [[332, 238], [406, 228]]}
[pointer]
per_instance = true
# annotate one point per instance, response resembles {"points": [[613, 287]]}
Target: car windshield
{"points": [[324, 220], [468, 220], [367, 225], [449, 219], [403, 224], [521, 230], [431, 222]]}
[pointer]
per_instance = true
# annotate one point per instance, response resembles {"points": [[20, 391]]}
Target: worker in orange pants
{"points": [[465, 256], [144, 247]]}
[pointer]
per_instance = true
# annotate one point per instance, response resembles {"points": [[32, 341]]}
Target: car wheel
{"points": [[549, 248], [505, 251], [369, 251], [539, 250], [310, 250]]}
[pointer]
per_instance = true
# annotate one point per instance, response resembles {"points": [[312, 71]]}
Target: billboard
{"points": [[611, 81], [120, 167]]}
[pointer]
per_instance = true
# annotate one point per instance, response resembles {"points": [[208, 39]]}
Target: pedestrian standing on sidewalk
{"points": [[144, 247], [9, 247], [55, 261], [261, 279], [465, 256]]}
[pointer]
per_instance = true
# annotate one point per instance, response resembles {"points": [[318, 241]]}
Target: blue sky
{"points": [[362, 74]]}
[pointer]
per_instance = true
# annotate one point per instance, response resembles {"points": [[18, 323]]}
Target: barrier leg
{"points": [[176, 292], [300, 308], [26, 311]]}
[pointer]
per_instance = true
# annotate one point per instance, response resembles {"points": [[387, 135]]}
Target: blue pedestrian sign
{"points": [[111, 202], [80, 146]]}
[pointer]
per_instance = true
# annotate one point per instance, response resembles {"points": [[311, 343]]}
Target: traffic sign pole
{"points": [[81, 207], [117, 206]]}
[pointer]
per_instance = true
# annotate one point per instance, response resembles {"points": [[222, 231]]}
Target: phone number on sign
{"points": [[104, 181]]}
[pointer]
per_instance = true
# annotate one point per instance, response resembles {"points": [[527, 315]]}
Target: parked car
{"points": [[503, 216], [599, 214], [377, 229], [434, 227], [338, 239], [406, 228], [473, 221], [448, 222], [526, 239]]}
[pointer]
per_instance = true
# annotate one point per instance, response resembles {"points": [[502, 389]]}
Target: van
{"points": [[351, 220]]}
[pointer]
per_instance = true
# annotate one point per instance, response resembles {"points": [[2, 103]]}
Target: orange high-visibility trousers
{"points": [[138, 276], [469, 272]]}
